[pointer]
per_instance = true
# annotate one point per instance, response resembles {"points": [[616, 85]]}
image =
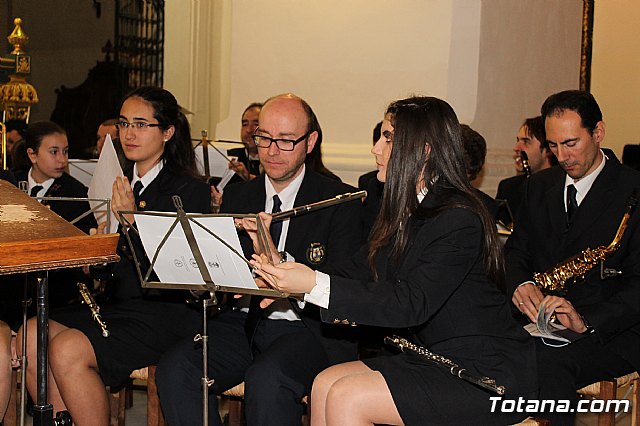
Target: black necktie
{"points": [[137, 188], [276, 228], [255, 311], [35, 190], [572, 203]]}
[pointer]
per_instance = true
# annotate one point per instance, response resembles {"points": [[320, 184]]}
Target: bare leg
{"points": [[53, 395], [74, 366], [352, 394], [5, 368]]}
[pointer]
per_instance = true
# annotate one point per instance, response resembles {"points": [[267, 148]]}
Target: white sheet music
{"points": [[82, 170], [101, 185], [176, 263], [218, 164]]}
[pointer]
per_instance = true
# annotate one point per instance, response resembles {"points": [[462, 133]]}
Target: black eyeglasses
{"points": [[282, 144], [136, 125]]}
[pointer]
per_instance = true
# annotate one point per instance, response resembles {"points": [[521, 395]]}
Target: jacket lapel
{"points": [[591, 209]]}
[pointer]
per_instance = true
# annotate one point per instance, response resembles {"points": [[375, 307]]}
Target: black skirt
{"points": [[427, 394], [140, 332]]}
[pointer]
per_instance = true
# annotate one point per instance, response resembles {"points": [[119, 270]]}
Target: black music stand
{"points": [[186, 220]]}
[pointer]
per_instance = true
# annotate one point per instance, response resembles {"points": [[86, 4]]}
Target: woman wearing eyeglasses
{"points": [[142, 323], [430, 268]]}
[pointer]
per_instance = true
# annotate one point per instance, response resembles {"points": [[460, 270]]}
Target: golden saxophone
{"points": [[557, 279], [88, 299]]}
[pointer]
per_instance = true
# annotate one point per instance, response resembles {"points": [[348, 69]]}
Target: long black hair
{"points": [[178, 155], [418, 122]]}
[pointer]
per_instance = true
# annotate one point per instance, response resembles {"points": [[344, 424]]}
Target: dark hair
{"points": [[110, 122], [377, 132], [178, 155], [37, 131], [475, 150], [579, 101], [251, 106], [534, 127], [419, 121], [18, 125], [313, 160]]}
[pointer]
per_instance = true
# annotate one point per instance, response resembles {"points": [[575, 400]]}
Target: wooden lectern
{"points": [[33, 238]]}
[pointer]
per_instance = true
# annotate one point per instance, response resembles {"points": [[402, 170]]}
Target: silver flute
{"points": [[442, 361], [88, 299]]}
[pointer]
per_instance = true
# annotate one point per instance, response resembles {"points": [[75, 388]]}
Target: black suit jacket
{"points": [[541, 239], [68, 186], [318, 239], [439, 290], [241, 153], [511, 190], [196, 198], [8, 176]]}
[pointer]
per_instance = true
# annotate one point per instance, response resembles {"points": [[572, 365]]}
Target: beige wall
{"points": [[615, 81], [494, 60]]}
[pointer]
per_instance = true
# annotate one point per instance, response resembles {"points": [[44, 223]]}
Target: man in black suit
{"points": [[277, 351], [248, 163], [532, 141], [567, 209]]}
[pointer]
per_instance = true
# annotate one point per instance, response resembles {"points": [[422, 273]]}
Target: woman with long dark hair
{"points": [[431, 268], [143, 323]]}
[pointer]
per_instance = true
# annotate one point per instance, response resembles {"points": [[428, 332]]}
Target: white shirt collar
{"points": [[287, 198], [583, 185], [148, 177], [45, 185], [422, 194]]}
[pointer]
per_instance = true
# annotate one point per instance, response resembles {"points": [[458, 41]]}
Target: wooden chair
{"points": [[606, 390], [118, 400], [235, 397]]}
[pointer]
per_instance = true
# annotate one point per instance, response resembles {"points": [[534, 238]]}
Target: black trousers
{"points": [[564, 370], [278, 371]]}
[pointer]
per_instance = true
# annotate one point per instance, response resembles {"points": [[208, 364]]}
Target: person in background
{"points": [[475, 151], [17, 158], [531, 139], [143, 323], [431, 266]]}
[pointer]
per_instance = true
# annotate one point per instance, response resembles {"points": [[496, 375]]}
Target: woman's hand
{"points": [[287, 277], [565, 312], [122, 198], [527, 299]]}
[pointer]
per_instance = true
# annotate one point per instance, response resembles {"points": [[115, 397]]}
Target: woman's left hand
{"points": [[287, 277]]}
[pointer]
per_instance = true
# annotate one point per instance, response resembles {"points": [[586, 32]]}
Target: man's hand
{"points": [[122, 198], [565, 312], [240, 169], [216, 197], [527, 298]]}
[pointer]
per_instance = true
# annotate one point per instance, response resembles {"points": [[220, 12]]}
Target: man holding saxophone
{"points": [[566, 210], [277, 350]]}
